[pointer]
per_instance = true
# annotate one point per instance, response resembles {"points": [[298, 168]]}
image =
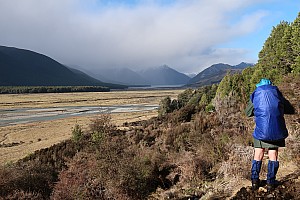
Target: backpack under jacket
{"points": [[269, 114]]}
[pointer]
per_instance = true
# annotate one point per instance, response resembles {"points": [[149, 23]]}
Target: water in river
{"points": [[26, 115]]}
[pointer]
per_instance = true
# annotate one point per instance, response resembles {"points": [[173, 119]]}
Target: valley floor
{"points": [[18, 141]]}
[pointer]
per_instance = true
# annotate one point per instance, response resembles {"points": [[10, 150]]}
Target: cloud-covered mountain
{"points": [[20, 67], [133, 33], [191, 75], [23, 67], [215, 73], [164, 75], [124, 76]]}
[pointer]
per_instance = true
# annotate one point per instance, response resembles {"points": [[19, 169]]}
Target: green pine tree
{"points": [[296, 44]]}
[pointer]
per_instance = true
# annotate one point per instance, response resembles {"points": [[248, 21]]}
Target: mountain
{"points": [[119, 76], [20, 67], [164, 75], [191, 75], [243, 65], [105, 83], [215, 73]]}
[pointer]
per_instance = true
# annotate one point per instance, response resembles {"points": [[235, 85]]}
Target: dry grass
{"points": [[33, 136], [84, 98]]}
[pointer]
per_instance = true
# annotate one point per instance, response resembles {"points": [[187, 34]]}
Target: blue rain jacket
{"points": [[268, 111]]}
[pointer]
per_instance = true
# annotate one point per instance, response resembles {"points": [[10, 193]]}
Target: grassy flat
{"points": [[17, 141]]}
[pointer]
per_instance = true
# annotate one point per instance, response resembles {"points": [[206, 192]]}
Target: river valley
{"points": [[29, 122], [27, 115]]}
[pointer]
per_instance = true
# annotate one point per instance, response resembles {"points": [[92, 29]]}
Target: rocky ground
{"points": [[289, 188]]}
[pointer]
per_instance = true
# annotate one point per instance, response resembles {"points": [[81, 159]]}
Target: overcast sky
{"points": [[187, 35]]}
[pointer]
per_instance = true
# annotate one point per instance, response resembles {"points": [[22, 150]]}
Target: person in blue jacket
{"points": [[268, 106]]}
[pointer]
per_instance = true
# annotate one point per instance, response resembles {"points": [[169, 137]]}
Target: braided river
{"points": [[27, 115]]}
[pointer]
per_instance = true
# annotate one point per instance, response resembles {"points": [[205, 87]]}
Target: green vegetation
{"points": [[77, 133], [50, 89], [279, 57], [200, 145], [101, 127], [199, 99]]}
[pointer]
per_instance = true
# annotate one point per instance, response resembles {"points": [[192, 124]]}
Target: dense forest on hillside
{"points": [[199, 145]]}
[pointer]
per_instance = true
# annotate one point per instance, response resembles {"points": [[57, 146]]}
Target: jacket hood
{"points": [[264, 81]]}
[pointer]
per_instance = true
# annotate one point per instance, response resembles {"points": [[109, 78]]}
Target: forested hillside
{"points": [[279, 57], [199, 145]]}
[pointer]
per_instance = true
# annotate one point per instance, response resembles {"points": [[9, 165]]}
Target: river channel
{"points": [[26, 115]]}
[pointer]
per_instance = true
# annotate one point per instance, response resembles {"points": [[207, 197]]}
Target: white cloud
{"points": [[183, 34]]}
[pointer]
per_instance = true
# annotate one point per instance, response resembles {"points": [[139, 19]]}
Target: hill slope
{"points": [[164, 75], [23, 67], [194, 152], [215, 73], [119, 76], [107, 83]]}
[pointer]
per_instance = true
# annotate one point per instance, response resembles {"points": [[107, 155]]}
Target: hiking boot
{"points": [[270, 187], [255, 184]]}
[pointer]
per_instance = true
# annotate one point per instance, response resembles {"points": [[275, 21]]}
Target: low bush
{"points": [[30, 179], [77, 133]]}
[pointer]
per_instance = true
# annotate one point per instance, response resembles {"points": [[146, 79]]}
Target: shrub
{"points": [[31, 179], [178, 138], [22, 195], [165, 106], [112, 170], [209, 108], [183, 114], [185, 97], [77, 133], [77, 181], [100, 127]]}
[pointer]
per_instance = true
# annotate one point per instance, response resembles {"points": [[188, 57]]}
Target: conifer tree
{"points": [[279, 56], [295, 29], [276, 57]]}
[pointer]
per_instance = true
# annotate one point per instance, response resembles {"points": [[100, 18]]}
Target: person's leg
{"points": [[256, 166], [273, 154], [258, 153], [273, 166]]}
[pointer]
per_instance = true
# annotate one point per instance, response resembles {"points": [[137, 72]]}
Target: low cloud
{"points": [[183, 34]]}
